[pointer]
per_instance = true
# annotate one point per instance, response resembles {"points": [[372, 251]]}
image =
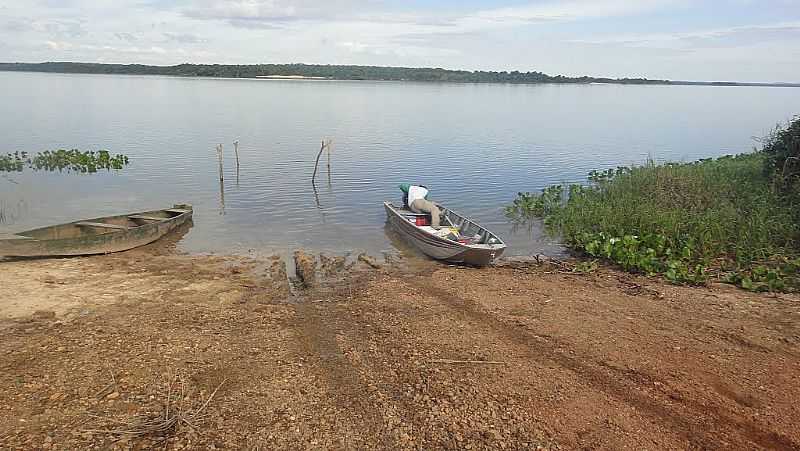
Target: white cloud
{"points": [[397, 50], [282, 11], [58, 45], [62, 28], [184, 38], [154, 50], [124, 36], [689, 37], [242, 9], [567, 10], [273, 11]]}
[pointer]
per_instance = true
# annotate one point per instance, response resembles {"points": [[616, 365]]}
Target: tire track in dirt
{"points": [[396, 417], [351, 395], [421, 407], [685, 313], [537, 348]]}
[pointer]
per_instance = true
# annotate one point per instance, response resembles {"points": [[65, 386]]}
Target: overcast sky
{"points": [[744, 40]]}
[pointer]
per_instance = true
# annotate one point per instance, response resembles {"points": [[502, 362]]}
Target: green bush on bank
{"points": [[723, 218], [782, 153]]}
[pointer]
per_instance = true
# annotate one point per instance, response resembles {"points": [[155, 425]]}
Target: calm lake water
{"points": [[475, 146]]}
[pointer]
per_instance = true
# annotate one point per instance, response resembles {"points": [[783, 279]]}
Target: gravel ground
{"points": [[148, 348]]}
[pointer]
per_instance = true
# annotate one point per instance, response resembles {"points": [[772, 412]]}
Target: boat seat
{"points": [[147, 218], [14, 237], [101, 225], [177, 210]]}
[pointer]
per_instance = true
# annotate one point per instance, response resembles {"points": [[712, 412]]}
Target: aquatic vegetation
{"points": [[72, 160], [715, 218], [13, 162]]}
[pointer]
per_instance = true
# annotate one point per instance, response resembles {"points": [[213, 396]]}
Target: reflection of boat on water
{"points": [[96, 236], [460, 240], [12, 212]]}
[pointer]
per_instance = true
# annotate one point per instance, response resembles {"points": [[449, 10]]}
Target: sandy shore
{"points": [[407, 356]]}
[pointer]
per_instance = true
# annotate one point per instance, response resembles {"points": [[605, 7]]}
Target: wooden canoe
{"points": [[96, 236], [478, 247]]}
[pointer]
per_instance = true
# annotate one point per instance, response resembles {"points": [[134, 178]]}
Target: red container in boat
{"points": [[423, 221]]}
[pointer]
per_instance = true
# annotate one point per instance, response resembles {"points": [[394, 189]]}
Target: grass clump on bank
{"points": [[726, 218], [72, 160]]}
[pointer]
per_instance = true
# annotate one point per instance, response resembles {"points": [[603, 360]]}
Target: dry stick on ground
{"points": [[563, 267], [103, 390], [145, 425], [466, 362], [633, 288]]}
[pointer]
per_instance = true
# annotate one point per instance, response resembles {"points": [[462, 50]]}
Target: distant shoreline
{"points": [[352, 73], [289, 77]]}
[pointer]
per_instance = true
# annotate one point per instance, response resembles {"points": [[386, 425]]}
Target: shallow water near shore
{"points": [[475, 146]]}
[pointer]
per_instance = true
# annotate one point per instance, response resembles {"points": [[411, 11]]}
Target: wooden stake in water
{"points": [[329, 160], [316, 163], [219, 156], [221, 198], [236, 151], [221, 181]]}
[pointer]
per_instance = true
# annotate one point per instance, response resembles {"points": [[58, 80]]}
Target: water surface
{"points": [[475, 146]]}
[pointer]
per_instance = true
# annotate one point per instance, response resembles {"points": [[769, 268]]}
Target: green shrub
{"points": [[687, 221], [782, 163], [528, 206]]}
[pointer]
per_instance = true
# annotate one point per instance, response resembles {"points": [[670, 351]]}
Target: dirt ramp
{"points": [[305, 267]]}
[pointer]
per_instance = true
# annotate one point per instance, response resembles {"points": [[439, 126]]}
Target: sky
{"points": [[731, 40]]}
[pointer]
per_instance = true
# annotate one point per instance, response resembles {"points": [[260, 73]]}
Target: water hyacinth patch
{"points": [[72, 160], [13, 162]]}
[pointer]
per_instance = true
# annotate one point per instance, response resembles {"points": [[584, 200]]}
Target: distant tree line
{"points": [[342, 72], [334, 72]]}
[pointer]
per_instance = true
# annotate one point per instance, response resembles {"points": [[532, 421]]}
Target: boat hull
{"points": [[59, 241], [441, 248]]}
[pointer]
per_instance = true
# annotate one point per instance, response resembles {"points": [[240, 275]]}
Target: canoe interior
{"points": [[465, 226], [74, 230]]}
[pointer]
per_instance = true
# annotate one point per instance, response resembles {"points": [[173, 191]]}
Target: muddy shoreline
{"points": [[248, 353]]}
